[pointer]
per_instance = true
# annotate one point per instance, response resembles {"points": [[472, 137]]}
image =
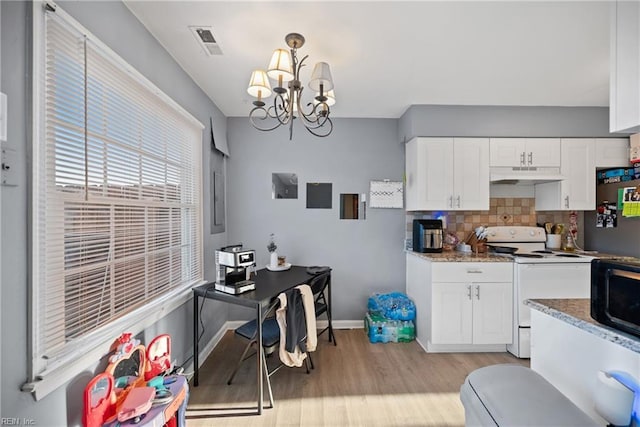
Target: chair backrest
{"points": [[319, 283]]}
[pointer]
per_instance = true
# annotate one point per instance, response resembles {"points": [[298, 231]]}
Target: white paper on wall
{"points": [[386, 194]]}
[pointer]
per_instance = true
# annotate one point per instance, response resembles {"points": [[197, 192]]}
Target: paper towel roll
{"points": [[613, 401]]}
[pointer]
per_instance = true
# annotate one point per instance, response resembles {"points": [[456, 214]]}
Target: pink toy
{"points": [[137, 403]]}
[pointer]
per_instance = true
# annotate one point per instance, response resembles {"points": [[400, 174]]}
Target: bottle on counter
{"points": [[569, 245]]}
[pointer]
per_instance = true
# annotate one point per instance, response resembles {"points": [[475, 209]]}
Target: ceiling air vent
{"points": [[205, 38]]}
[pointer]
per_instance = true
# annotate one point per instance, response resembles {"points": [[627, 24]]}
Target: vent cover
{"points": [[206, 39]]}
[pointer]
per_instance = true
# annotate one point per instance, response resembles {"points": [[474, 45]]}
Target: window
{"points": [[117, 195]]}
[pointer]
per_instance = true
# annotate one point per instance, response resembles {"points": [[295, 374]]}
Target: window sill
{"points": [[50, 380]]}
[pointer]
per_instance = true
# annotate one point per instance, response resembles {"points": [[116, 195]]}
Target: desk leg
{"points": [[329, 315], [195, 340], [259, 358]]}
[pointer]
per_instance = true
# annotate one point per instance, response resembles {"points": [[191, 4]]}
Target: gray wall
{"points": [[118, 28], [496, 121], [367, 255]]}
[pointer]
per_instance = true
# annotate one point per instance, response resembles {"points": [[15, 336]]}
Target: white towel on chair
{"points": [[297, 357]]}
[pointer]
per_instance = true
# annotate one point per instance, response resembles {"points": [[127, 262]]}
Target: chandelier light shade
{"points": [[259, 86], [284, 69], [321, 78], [280, 67]]}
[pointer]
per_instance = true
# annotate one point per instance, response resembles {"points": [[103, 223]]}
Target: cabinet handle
{"points": [[522, 163], [474, 271], [469, 291], [478, 291], [451, 201], [531, 158], [458, 198], [566, 202]]}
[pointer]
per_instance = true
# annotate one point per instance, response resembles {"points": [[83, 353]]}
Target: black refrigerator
{"points": [[600, 235]]}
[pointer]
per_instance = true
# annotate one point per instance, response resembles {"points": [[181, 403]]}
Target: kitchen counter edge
{"points": [[452, 256], [577, 312]]}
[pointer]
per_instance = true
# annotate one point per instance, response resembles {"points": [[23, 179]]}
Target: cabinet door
{"points": [[492, 313], [451, 313], [471, 179], [624, 65], [433, 177], [612, 152], [578, 190], [507, 152], [543, 152], [578, 165]]}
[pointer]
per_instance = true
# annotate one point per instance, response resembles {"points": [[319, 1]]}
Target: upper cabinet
{"points": [[624, 62], [447, 174], [524, 152], [612, 152], [578, 190]]}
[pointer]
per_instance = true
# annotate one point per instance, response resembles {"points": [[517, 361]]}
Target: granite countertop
{"points": [[577, 312], [613, 257], [454, 256]]}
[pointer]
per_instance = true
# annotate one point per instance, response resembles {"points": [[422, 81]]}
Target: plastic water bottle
{"points": [[412, 330], [386, 332]]}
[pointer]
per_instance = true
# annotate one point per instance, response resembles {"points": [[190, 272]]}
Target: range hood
{"points": [[524, 175]]}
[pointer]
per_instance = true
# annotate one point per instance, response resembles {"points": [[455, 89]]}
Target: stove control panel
{"points": [[515, 234]]}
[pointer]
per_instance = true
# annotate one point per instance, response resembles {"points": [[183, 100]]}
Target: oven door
{"points": [[549, 281]]}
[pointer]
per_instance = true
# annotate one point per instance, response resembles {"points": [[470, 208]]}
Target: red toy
{"points": [[99, 400], [158, 356]]}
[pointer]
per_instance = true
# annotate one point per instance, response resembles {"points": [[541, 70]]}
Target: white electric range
{"points": [[538, 274]]}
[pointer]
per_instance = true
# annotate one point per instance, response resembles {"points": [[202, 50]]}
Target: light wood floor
{"points": [[355, 383]]}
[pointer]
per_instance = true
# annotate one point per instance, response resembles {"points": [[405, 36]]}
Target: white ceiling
{"points": [[388, 55]]}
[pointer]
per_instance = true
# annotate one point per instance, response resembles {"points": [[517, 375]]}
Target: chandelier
{"points": [[287, 103]]}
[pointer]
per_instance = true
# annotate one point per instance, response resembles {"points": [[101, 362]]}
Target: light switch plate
{"points": [[3, 117], [7, 168]]}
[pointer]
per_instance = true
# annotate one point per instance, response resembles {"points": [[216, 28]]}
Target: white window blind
{"points": [[117, 195]]}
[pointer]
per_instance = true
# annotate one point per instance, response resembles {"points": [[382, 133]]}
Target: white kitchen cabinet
{"points": [[612, 152], [524, 152], [472, 313], [461, 306], [624, 65], [447, 174], [452, 315], [477, 311], [578, 190]]}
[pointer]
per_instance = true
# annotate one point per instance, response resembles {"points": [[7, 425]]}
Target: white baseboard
{"points": [[466, 348], [208, 348], [347, 324]]}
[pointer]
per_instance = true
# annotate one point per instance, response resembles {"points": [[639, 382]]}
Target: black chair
{"points": [[319, 285], [270, 345]]}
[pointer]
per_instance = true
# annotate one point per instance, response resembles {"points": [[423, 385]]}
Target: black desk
{"points": [[269, 284]]}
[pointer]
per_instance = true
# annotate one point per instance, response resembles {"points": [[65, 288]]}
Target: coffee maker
{"points": [[233, 269], [427, 235]]}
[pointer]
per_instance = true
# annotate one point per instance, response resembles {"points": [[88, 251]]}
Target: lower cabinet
{"points": [[461, 306], [471, 313]]}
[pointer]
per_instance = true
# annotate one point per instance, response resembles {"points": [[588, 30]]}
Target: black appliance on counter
{"points": [[615, 294], [427, 235]]}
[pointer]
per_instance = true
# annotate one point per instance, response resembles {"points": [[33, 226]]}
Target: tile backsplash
{"points": [[502, 211]]}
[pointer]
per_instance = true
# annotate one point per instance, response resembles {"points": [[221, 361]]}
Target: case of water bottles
{"points": [[390, 318]]}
